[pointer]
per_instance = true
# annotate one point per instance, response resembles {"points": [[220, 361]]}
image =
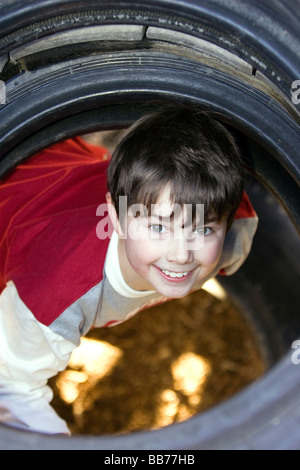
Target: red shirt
{"points": [[48, 245]]}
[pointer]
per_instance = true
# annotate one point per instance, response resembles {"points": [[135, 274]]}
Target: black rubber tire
{"points": [[244, 72]]}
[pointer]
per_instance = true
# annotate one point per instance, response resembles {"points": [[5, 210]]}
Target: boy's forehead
{"points": [[164, 196], [164, 206]]}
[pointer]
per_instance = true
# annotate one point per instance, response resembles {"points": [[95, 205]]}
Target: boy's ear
{"points": [[113, 214]]}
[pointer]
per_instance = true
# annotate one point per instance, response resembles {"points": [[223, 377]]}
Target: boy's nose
{"points": [[179, 252]]}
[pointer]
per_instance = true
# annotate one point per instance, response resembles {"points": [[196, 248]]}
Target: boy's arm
{"points": [[49, 258], [30, 354]]}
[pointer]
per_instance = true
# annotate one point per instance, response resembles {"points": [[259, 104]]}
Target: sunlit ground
{"points": [[95, 359], [162, 366]]}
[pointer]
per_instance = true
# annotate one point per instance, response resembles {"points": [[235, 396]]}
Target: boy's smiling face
{"points": [[168, 254]]}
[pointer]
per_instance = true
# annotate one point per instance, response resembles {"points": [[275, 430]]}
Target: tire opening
{"points": [[240, 327], [161, 367], [236, 343]]}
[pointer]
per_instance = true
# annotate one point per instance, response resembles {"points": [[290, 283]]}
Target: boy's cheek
{"points": [[135, 231], [210, 255], [139, 251]]}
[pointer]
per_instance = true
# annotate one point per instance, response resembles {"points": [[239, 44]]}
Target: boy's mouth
{"points": [[174, 275]]}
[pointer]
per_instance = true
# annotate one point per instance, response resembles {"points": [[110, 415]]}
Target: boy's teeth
{"points": [[172, 274]]}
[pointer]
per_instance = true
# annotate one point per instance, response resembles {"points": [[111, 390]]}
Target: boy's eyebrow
{"points": [[166, 219], [211, 219], [208, 218], [162, 218]]}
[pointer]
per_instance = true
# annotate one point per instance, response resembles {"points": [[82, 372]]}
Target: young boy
{"points": [[177, 217]]}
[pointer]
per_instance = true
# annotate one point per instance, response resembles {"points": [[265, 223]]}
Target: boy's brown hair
{"points": [[184, 148]]}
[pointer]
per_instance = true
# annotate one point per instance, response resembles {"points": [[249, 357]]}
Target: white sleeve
{"points": [[237, 244], [30, 353]]}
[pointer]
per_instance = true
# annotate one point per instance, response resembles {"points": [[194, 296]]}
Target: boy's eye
{"points": [[203, 231], [157, 228]]}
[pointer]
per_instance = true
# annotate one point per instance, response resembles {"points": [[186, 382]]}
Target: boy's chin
{"points": [[174, 293]]}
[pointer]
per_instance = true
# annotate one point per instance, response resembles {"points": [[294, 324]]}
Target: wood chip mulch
{"points": [[162, 366]]}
